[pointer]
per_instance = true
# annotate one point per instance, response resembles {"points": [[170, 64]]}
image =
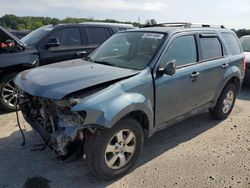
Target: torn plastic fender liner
{"points": [[111, 110]]}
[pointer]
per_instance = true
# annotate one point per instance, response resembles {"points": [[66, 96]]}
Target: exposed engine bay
{"points": [[58, 127]]}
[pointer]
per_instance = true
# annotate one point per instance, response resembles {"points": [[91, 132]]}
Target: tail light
{"points": [[245, 64]]}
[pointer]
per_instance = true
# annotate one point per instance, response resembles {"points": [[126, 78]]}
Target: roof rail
{"points": [[108, 23], [186, 24]]}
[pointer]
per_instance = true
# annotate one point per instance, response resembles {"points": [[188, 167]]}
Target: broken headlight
{"points": [[66, 117], [74, 100]]}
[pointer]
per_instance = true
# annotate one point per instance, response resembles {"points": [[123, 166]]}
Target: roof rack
{"points": [[108, 23], [186, 24]]}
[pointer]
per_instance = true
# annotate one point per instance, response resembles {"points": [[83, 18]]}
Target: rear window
{"points": [[232, 43], [211, 48], [96, 35]]}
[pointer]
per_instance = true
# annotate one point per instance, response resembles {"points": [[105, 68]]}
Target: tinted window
{"points": [[84, 37], [183, 50], [96, 35], [245, 42], [210, 48], [232, 43], [68, 37]]}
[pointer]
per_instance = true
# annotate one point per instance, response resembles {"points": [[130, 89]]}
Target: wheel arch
{"points": [[235, 79], [143, 120]]}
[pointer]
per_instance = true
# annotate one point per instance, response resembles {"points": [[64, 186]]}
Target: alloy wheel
{"points": [[9, 94], [120, 149], [228, 101]]}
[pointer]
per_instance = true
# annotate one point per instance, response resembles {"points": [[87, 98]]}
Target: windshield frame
{"points": [[45, 29], [148, 64]]}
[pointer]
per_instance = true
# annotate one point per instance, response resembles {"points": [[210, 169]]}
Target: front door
{"points": [[174, 95], [70, 42]]}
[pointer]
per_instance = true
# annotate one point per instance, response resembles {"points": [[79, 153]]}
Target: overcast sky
{"points": [[231, 13]]}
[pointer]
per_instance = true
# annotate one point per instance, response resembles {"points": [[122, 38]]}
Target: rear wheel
{"points": [[8, 97], [225, 102], [110, 153]]}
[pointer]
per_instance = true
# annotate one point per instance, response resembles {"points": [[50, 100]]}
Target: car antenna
{"points": [[18, 123]]}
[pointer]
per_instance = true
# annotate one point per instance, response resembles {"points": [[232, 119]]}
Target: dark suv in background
{"points": [[48, 44]]}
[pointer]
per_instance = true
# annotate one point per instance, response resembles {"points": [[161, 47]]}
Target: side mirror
{"points": [[170, 68], [52, 42]]}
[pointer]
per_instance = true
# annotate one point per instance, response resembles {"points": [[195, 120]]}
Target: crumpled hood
{"points": [[57, 80], [247, 55]]}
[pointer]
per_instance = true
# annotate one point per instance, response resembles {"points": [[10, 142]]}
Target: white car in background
{"points": [[245, 42]]}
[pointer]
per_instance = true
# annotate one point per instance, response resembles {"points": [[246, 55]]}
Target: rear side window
{"points": [[68, 37], [96, 35], [183, 50], [211, 48], [232, 43]]}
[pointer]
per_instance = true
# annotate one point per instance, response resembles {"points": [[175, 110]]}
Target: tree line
{"points": [[11, 21]]}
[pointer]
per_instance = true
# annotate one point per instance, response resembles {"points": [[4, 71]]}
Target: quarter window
{"points": [[183, 50], [68, 37], [232, 43], [210, 48], [96, 35]]}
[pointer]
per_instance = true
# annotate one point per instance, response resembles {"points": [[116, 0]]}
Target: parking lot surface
{"points": [[199, 152]]}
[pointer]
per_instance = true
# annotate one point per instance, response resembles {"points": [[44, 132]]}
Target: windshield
{"points": [[245, 42], [32, 38], [132, 50]]}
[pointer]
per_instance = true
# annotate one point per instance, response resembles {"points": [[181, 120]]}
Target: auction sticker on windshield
{"points": [[152, 36]]}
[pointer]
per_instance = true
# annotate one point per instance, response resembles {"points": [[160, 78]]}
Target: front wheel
{"points": [[111, 153], [225, 103], [8, 97]]}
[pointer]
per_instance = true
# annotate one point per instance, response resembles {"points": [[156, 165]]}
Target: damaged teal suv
{"points": [[135, 84]]}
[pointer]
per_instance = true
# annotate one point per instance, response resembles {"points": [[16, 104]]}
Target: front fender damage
{"points": [[109, 106]]}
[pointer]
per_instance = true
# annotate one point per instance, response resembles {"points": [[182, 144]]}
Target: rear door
{"points": [[211, 67], [70, 42]]}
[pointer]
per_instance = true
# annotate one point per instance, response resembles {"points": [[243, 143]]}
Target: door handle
{"points": [[224, 65], [194, 75], [81, 54]]}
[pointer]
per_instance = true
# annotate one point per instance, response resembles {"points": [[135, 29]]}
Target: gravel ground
{"points": [[199, 152]]}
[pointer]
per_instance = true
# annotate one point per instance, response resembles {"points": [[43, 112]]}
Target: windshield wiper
{"points": [[87, 58], [104, 63]]}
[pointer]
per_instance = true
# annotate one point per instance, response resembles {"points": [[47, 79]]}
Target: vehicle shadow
{"points": [[76, 174], [2, 112], [174, 135]]}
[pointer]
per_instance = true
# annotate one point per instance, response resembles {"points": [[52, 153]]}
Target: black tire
{"points": [[217, 112], [3, 104], [96, 144]]}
